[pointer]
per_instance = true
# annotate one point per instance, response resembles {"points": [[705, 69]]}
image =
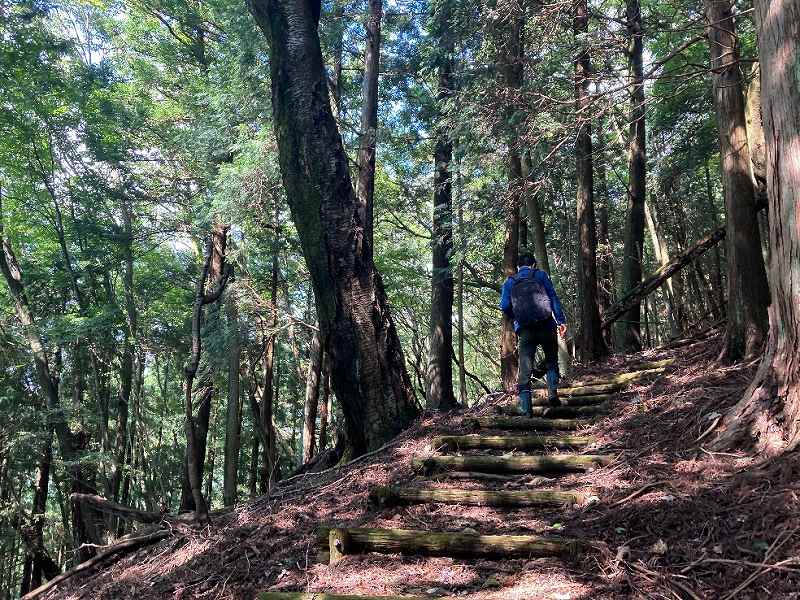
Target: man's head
{"points": [[526, 260]]}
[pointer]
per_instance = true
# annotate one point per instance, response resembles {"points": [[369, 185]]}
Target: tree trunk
{"points": [[39, 562], [748, 292], [439, 393], [233, 415], [365, 185], [197, 429], [605, 255], [368, 369], [325, 403], [312, 398], [630, 338], [755, 131], [462, 367], [511, 69], [662, 256], [769, 412], [590, 337], [712, 209]]}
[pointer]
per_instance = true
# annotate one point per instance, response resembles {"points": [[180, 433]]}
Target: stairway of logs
{"points": [[552, 446]]}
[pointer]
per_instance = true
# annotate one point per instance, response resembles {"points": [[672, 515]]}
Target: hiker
{"points": [[531, 301]]}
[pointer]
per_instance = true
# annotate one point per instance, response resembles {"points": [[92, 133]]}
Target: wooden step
{"points": [[564, 412], [585, 390], [556, 463], [462, 544], [528, 423], [394, 495], [588, 400], [510, 442]]}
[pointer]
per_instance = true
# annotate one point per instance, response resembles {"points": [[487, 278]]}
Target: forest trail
{"points": [[549, 445], [482, 505]]}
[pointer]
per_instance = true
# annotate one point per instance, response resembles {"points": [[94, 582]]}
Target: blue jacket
{"points": [[544, 279]]}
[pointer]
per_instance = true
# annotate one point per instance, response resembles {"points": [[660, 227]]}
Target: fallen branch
{"points": [[123, 547], [655, 280]]}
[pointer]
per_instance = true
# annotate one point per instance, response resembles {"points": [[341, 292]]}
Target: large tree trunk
{"points": [[630, 338], [511, 69], [365, 185], [748, 292], [368, 369], [590, 337], [769, 412], [233, 415], [439, 393], [313, 381]]}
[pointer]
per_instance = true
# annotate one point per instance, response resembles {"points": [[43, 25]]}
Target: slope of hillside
{"points": [[671, 518]]}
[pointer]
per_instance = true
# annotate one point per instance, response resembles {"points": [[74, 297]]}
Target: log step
{"points": [[584, 390], [464, 544], [394, 495], [588, 400], [568, 412], [510, 442], [593, 387], [556, 463], [531, 424]]}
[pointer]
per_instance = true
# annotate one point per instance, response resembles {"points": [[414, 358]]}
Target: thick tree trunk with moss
{"points": [[591, 344], [368, 369], [769, 412], [439, 394], [748, 293]]}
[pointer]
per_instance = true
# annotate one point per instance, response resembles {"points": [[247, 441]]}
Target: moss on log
{"points": [[585, 390], [456, 544], [529, 423], [557, 463], [395, 495], [510, 442], [624, 378]]}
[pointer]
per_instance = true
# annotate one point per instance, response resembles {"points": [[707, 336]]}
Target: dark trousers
{"points": [[529, 339]]}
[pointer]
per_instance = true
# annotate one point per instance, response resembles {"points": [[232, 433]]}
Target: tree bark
{"points": [[197, 429], [313, 381], [439, 394], [233, 415], [368, 369], [769, 412], [630, 338], [511, 69], [38, 562], [325, 403], [365, 185], [591, 344], [748, 291]]}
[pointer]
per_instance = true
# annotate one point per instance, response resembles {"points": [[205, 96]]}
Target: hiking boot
{"points": [[552, 400]]}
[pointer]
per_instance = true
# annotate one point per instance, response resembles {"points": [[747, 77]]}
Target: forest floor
{"points": [[676, 520]]}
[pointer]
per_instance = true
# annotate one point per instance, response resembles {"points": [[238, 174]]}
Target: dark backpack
{"points": [[529, 299]]}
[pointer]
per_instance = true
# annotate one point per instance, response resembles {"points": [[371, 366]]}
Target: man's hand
{"points": [[562, 331]]}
